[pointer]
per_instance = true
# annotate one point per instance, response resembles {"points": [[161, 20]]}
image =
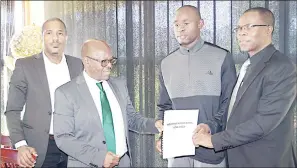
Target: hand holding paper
{"points": [[159, 125], [158, 146], [203, 127], [202, 136]]}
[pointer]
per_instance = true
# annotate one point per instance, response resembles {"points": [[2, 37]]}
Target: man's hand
{"points": [[158, 146], [204, 127], [159, 125], [25, 156], [202, 138], [111, 160]]}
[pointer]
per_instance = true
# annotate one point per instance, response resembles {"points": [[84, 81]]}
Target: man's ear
{"points": [[66, 38], [201, 23], [270, 30], [84, 59]]}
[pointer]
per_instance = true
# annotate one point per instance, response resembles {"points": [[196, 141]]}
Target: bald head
{"points": [[92, 45], [97, 59], [190, 10]]}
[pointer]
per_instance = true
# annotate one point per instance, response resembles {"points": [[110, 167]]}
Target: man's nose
{"points": [[241, 32], [180, 28], [55, 37], [109, 65]]}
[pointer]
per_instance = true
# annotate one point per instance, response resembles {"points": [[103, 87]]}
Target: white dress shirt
{"points": [[57, 75], [118, 122]]}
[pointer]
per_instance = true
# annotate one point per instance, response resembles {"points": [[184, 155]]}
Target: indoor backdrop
{"points": [[141, 34]]}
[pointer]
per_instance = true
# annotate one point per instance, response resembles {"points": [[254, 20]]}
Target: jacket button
{"points": [[104, 142]]}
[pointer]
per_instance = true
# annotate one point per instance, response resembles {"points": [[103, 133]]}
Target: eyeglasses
{"points": [[104, 63], [246, 27]]}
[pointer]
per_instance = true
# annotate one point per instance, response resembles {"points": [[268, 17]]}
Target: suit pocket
{"points": [[26, 125], [72, 162]]}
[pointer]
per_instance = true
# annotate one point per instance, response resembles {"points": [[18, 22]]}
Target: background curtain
{"points": [[7, 30], [141, 34]]}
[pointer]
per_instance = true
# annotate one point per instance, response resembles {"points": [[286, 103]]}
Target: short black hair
{"points": [[266, 15], [54, 19]]}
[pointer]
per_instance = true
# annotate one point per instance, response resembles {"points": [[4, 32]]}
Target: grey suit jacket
{"points": [[78, 129], [29, 85], [260, 128]]}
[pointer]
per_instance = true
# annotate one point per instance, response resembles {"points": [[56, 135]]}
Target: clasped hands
{"points": [[26, 156], [112, 160], [201, 135]]}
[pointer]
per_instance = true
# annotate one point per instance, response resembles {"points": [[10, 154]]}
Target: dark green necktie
{"points": [[107, 121]]}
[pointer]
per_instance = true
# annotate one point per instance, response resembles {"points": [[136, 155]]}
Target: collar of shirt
{"points": [[47, 62], [198, 45], [255, 59], [92, 82]]}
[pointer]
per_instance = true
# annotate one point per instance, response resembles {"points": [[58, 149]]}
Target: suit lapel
{"points": [[40, 69], [86, 97], [71, 67], [251, 76], [120, 99]]}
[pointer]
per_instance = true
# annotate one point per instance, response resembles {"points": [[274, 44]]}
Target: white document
{"points": [[178, 129]]}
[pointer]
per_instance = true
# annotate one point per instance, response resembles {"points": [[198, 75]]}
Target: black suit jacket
{"points": [[260, 129]]}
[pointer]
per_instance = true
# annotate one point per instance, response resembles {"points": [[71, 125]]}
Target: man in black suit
{"points": [[259, 131]]}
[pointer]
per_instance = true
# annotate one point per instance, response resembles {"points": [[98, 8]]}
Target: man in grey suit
{"points": [[260, 121], [93, 113], [32, 84]]}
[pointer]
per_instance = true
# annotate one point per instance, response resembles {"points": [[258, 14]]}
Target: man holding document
{"points": [[260, 129], [197, 91], [93, 113]]}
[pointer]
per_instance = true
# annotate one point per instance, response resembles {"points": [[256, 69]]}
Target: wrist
{"points": [[20, 147]]}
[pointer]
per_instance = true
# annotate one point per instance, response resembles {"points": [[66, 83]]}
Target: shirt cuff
{"points": [[20, 143]]}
